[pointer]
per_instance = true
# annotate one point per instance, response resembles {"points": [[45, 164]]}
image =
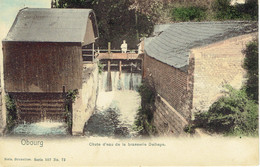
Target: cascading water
{"points": [[117, 104], [40, 129]]}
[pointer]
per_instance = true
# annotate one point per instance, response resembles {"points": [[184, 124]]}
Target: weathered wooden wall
{"points": [[42, 67], [35, 107]]}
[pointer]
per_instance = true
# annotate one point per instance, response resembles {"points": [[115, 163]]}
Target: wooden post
{"points": [[109, 47], [108, 65], [93, 52], [109, 79], [120, 68], [45, 115], [63, 89]]}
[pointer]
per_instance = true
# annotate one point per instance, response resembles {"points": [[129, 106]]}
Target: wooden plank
{"points": [[42, 67]]}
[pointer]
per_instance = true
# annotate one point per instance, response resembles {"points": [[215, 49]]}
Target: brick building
{"points": [[189, 63]]}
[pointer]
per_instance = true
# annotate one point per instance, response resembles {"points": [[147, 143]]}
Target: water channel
{"points": [[114, 115], [116, 110]]}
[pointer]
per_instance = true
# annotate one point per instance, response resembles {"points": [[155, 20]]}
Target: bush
{"points": [[224, 11], [251, 65], [234, 114], [100, 68], [11, 113], [144, 117], [188, 13], [70, 99]]}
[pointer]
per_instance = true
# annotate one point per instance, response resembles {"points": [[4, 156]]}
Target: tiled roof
{"points": [[49, 25], [173, 43]]}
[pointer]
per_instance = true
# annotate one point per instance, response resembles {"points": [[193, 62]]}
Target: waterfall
{"points": [[40, 129], [113, 81], [117, 105]]}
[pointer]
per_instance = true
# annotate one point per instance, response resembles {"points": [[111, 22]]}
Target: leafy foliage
{"points": [[224, 11], [143, 122], [158, 12], [72, 95], [216, 10], [233, 114], [132, 19], [116, 21], [100, 68], [70, 99], [251, 65], [191, 13], [11, 112]]}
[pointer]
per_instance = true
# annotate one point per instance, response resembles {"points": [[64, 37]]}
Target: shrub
{"points": [[144, 117], [70, 98], [11, 113], [100, 68], [233, 114], [188, 13], [224, 11], [251, 65]]}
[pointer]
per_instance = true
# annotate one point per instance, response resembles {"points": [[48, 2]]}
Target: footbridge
{"points": [[122, 62]]}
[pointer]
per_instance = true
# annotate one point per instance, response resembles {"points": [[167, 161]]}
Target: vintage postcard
{"points": [[129, 83]]}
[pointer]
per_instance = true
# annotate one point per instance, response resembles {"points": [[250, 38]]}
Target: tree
{"points": [[224, 11], [251, 65], [116, 20]]}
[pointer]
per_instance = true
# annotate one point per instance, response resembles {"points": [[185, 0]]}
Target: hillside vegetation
{"points": [[131, 20], [236, 113]]}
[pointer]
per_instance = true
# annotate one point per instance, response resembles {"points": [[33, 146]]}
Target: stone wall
{"points": [[216, 65], [84, 105], [166, 119]]}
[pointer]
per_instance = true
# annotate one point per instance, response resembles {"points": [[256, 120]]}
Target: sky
{"points": [[10, 8]]}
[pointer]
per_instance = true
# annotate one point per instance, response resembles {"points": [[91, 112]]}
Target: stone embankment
{"points": [[85, 103]]}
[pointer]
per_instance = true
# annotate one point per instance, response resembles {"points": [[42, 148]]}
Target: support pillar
{"points": [[109, 79], [120, 69]]}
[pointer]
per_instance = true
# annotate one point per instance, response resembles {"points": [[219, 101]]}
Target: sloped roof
{"points": [[49, 25], [172, 45]]}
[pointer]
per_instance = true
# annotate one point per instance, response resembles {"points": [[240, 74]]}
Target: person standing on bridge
{"points": [[124, 47]]}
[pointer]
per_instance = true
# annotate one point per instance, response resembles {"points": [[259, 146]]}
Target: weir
{"points": [[118, 100], [116, 109]]}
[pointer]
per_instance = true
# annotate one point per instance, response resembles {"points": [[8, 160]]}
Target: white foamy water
{"points": [[115, 110], [123, 82], [40, 129], [121, 97], [126, 102]]}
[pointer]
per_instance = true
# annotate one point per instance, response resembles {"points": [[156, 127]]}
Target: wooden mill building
{"points": [[44, 56]]}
